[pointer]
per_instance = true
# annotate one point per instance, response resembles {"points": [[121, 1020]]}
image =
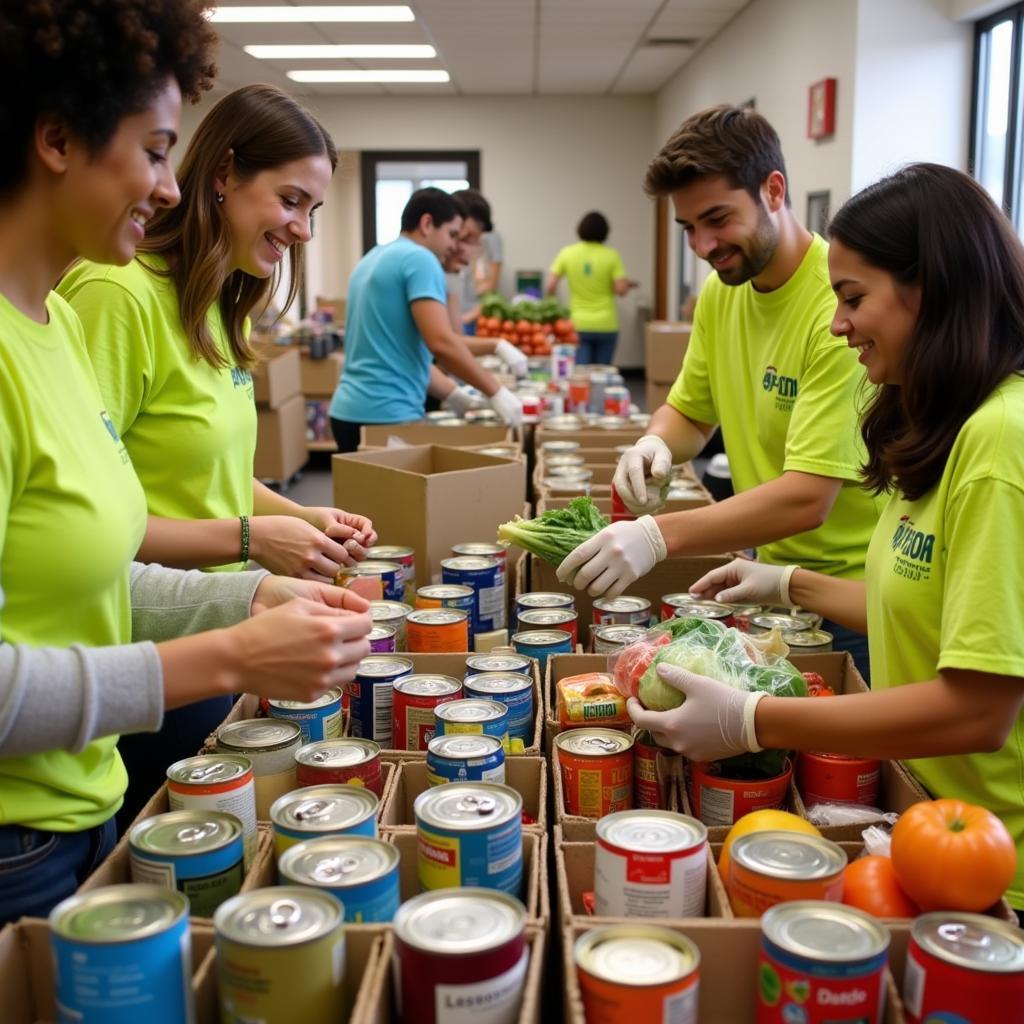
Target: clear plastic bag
{"points": [[826, 814]]}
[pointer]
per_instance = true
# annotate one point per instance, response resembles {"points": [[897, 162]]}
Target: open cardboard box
{"points": [[665, 343], [281, 439], [277, 376], [526, 775], [419, 432], [602, 498], [535, 870], [27, 974], [319, 377], [590, 437], [430, 498]]}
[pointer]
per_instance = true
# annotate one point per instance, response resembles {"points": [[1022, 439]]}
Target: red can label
{"points": [[619, 511], [368, 774], [832, 778], [413, 725], [596, 786], [651, 774]]}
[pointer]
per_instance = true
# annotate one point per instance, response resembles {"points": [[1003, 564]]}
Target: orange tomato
{"points": [[869, 883], [524, 326], [508, 325], [950, 855], [758, 821]]}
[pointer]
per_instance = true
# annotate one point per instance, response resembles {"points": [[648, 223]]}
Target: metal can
{"points": [[392, 613], [314, 811], [552, 618], [403, 556], [415, 700], [519, 663], [620, 510], [446, 595], [470, 833], [712, 610], [555, 474], [482, 549], [774, 866], [487, 578], [542, 643], [596, 767], [672, 603], [370, 695], [270, 746], [559, 447], [392, 576], [564, 459], [360, 872], [199, 853], [465, 758], [616, 401], [513, 690], [809, 641], [811, 620], [637, 972], [622, 611], [599, 381], [321, 719], [281, 956], [543, 599], [460, 948], [655, 769], [963, 967], [610, 639], [383, 640], [472, 717], [650, 864], [349, 759], [821, 963], [742, 614], [123, 953], [438, 631], [719, 800], [216, 782], [768, 621], [838, 779]]}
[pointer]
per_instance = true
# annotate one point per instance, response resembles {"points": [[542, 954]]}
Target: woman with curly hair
{"points": [[92, 645]]}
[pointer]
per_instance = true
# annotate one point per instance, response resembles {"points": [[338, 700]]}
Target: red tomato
{"points": [[816, 685], [508, 325], [869, 883]]}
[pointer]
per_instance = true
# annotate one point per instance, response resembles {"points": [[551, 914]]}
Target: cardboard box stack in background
{"points": [[419, 432], [280, 414], [665, 344], [319, 378]]}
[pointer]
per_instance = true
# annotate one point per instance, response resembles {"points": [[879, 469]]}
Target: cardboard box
{"points": [[421, 432], [277, 377], [429, 498], [655, 395], [665, 344], [319, 377], [281, 440], [535, 870], [526, 775], [590, 437], [27, 973]]}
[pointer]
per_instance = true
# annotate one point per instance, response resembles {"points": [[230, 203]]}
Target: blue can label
{"points": [[371, 902], [207, 879], [518, 700], [491, 858], [448, 765], [319, 721], [487, 578], [370, 700]]}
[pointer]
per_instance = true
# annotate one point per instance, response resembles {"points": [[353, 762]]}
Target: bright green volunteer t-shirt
{"points": [[72, 516], [944, 591], [786, 392], [190, 428], [591, 269]]}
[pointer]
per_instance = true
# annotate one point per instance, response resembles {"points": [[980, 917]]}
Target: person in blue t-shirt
{"points": [[397, 324]]}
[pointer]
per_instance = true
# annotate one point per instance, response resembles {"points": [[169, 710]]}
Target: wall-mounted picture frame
{"points": [[819, 206], [821, 109]]}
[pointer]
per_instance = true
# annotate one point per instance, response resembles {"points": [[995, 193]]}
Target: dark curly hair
{"points": [[92, 63]]}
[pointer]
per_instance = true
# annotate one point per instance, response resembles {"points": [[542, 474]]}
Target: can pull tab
{"points": [[204, 772], [964, 935], [608, 746], [481, 805], [311, 809], [284, 913], [196, 833], [336, 867]]}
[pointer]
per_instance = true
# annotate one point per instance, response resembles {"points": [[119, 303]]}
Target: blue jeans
{"points": [[844, 639], [596, 346], [39, 869]]}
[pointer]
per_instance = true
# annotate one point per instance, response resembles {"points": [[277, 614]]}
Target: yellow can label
{"points": [[438, 860]]}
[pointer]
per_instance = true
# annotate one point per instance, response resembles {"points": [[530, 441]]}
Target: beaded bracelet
{"points": [[245, 538]]}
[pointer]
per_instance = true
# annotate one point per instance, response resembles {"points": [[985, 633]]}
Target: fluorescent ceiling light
{"points": [[368, 76], [349, 51], [310, 13]]}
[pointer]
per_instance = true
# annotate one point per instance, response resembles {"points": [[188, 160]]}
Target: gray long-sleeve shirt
{"points": [[64, 698]]}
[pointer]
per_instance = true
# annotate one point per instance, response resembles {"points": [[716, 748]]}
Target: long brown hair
{"points": [[263, 128], [934, 227]]}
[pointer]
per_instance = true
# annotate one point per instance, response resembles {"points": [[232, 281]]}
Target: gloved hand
{"points": [[641, 472], [459, 400], [507, 406], [515, 360], [611, 560], [745, 582], [714, 721]]}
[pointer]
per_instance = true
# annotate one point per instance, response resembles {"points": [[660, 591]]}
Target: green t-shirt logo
{"points": [[785, 388], [914, 550], [114, 435], [241, 378]]}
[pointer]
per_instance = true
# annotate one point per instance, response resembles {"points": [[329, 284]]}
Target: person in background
{"points": [[482, 275], [168, 338], [397, 324], [934, 309], [92, 645], [596, 276], [762, 363]]}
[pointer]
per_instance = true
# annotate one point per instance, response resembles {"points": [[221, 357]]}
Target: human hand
{"points": [[745, 582], [459, 400], [507, 406], [641, 472], [290, 546], [274, 591], [614, 558], [714, 721], [343, 526], [512, 357]]}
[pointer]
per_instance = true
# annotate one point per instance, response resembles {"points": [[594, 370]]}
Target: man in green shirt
{"points": [[763, 364]]}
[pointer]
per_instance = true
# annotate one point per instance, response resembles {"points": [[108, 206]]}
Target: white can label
{"points": [[151, 872], [716, 806], [494, 1001], [681, 1008], [241, 802], [492, 604], [630, 884]]}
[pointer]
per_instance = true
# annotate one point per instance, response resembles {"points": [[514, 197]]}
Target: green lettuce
{"points": [[556, 532]]}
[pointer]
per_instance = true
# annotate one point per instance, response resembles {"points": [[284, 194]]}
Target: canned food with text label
{"points": [[416, 698], [596, 767]]}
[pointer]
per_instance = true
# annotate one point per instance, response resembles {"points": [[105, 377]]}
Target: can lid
{"points": [[427, 685], [463, 562], [388, 610], [285, 915], [183, 833], [463, 745], [651, 831], [518, 663], [381, 633], [327, 808], [459, 921], [622, 604], [682, 597], [471, 709], [337, 861], [209, 769], [593, 742], [436, 616], [788, 855], [498, 682], [547, 616], [468, 805], [825, 931], [374, 567], [444, 591], [973, 941], [807, 638], [387, 552], [542, 637], [560, 446], [118, 913], [636, 954], [703, 610], [332, 696], [337, 753], [545, 599], [258, 734], [619, 632], [787, 623], [383, 666], [479, 547]]}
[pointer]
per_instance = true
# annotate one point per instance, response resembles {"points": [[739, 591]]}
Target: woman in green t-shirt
{"points": [[934, 305]]}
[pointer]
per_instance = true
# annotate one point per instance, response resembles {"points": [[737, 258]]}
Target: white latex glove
{"points": [[611, 560], [641, 472], [458, 400], [507, 406], [745, 582], [714, 721], [515, 360]]}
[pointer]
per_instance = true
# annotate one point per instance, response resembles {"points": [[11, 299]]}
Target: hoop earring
{"points": [[220, 197]]}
